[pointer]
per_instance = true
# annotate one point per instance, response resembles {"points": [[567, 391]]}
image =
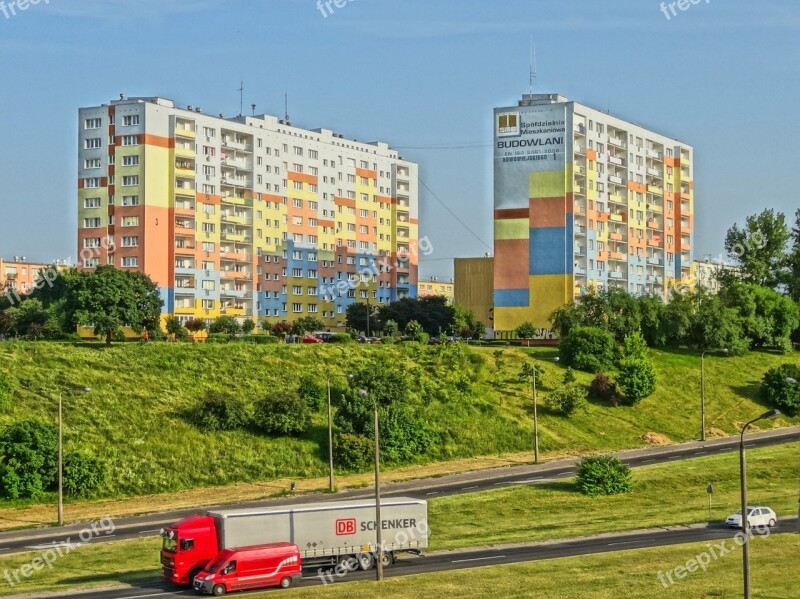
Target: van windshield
{"points": [[215, 566]]}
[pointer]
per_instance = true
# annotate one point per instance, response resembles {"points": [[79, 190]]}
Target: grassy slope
{"points": [[665, 494], [133, 414]]}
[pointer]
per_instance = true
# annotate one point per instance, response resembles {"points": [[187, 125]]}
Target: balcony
{"points": [[618, 256], [617, 141], [184, 150], [616, 198], [655, 172], [579, 129], [655, 189], [579, 170], [615, 179], [184, 131], [236, 237], [236, 182], [579, 190], [616, 160], [653, 261], [233, 292], [234, 274], [580, 150], [655, 242], [237, 145], [580, 230], [617, 274], [655, 154], [615, 236], [238, 219], [185, 247], [619, 217], [580, 250], [579, 271], [654, 224], [184, 224], [654, 279], [236, 256]]}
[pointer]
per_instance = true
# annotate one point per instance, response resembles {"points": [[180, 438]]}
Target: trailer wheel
{"points": [[387, 559], [286, 582], [365, 561], [347, 563], [219, 590]]}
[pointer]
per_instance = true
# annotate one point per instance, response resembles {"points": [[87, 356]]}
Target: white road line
{"points": [[147, 532], [700, 452], [476, 559], [646, 461], [468, 488], [432, 493], [622, 543]]}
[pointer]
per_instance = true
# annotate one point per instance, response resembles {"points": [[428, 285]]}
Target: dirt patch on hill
{"points": [[716, 433], [655, 439]]}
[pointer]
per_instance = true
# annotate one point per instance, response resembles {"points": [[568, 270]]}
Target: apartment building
{"points": [[584, 200], [707, 272], [18, 277], [436, 286], [249, 217]]}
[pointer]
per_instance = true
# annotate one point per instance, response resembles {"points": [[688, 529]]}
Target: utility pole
{"points": [[378, 533], [60, 466], [330, 440]]}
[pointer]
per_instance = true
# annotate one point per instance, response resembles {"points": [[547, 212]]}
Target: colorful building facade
{"points": [[584, 200], [474, 288], [18, 277], [248, 217], [436, 286]]}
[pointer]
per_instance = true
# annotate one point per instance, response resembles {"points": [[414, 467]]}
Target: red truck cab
{"points": [[248, 568], [187, 547]]}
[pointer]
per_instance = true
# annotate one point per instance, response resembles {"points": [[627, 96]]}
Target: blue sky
{"points": [[723, 75]]}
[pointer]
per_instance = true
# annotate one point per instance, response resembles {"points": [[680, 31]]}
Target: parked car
{"points": [[434, 341], [247, 568], [325, 336], [757, 516], [375, 340], [311, 339]]}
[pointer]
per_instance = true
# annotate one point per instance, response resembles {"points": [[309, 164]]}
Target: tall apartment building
{"points": [[248, 217], [584, 200]]}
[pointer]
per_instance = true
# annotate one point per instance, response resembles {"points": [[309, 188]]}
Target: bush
{"points": [[6, 391], [637, 379], [225, 324], [218, 338], [175, 329], [221, 412], [261, 339], [567, 400], [313, 393], [526, 330], [780, 393], [603, 475], [28, 459], [342, 338], [604, 389], [83, 474], [195, 325], [248, 326], [283, 413], [569, 376], [352, 452], [587, 348]]}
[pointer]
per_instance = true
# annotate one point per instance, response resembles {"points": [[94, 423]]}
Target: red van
{"points": [[247, 568]]}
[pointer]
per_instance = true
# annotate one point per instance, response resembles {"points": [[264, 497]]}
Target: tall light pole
{"points": [[378, 532], [703, 392], [536, 416], [792, 381], [743, 482]]}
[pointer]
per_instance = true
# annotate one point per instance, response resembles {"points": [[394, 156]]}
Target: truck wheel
{"points": [[365, 561], [347, 563], [219, 590], [387, 559], [286, 582]]}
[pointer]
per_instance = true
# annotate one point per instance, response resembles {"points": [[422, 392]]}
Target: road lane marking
{"points": [[468, 488], [476, 559], [147, 532], [432, 493]]}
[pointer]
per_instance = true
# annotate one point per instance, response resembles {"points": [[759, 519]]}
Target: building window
{"points": [[130, 242], [130, 200], [92, 163], [93, 123], [130, 262], [92, 143], [130, 140], [297, 308], [130, 180], [91, 203], [91, 223], [130, 221], [130, 120], [130, 161]]}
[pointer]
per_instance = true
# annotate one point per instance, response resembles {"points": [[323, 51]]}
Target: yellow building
{"points": [[473, 288], [435, 286]]}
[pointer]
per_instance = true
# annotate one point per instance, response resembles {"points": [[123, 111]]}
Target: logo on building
{"points": [[507, 124]]}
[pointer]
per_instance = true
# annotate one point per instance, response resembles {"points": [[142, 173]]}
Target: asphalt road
{"points": [[461, 560], [470, 482]]}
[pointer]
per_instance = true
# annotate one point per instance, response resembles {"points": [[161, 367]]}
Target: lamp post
{"points": [[378, 532], [743, 483], [536, 416], [703, 392]]}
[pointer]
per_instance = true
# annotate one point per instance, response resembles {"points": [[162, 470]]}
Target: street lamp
{"points": [[703, 392], [378, 533], [330, 434], [61, 456], [743, 482], [536, 415]]}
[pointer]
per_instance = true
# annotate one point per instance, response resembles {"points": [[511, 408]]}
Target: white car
{"points": [[757, 516]]}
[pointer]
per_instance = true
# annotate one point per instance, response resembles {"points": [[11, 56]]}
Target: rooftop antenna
{"points": [[253, 106], [241, 98], [532, 80], [286, 108]]}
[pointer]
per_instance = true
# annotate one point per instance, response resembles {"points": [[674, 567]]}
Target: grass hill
{"points": [[134, 415]]}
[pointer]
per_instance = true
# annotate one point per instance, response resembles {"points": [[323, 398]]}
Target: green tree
{"points": [[759, 248], [83, 474], [414, 330], [779, 391], [196, 325], [175, 329], [526, 330], [221, 411], [767, 317], [307, 324], [637, 375], [567, 400], [612, 309], [587, 348], [28, 459], [603, 475], [248, 326], [391, 328], [27, 316], [433, 313], [362, 318], [793, 261], [714, 326], [281, 329], [225, 324], [109, 299]]}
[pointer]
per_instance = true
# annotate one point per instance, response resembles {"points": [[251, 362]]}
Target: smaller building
{"points": [[436, 286], [474, 288], [18, 277], [706, 273]]}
